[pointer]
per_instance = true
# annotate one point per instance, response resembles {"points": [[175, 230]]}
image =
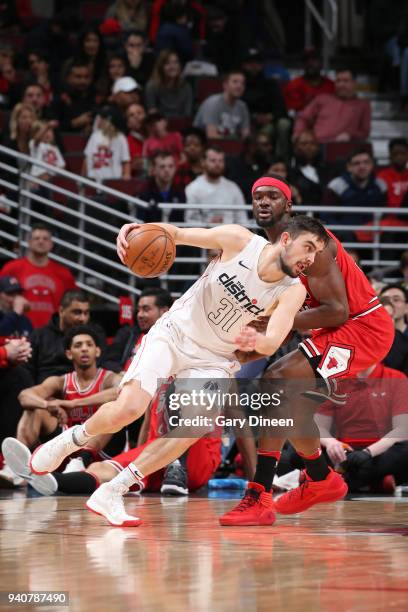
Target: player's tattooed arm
{"points": [[327, 286]]}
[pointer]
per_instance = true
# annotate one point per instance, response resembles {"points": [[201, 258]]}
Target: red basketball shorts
{"points": [[351, 348]]}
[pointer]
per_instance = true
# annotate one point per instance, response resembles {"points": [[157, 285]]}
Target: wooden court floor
{"points": [[349, 556]]}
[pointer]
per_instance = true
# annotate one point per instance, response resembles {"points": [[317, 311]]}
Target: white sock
{"points": [[129, 476], [80, 436]]}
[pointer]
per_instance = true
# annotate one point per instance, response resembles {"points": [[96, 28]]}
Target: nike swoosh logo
{"points": [[244, 266]]}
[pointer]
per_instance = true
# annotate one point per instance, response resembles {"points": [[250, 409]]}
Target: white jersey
{"points": [[226, 297]]}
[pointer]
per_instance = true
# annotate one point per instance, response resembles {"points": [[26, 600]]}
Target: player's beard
{"points": [[285, 268]]}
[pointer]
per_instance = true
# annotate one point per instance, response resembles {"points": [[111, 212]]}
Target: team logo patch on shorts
{"points": [[336, 361]]}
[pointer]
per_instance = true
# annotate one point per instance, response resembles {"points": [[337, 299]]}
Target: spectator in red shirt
{"points": [[44, 281], [302, 90], [339, 116], [160, 139], [135, 116], [372, 425], [396, 174]]}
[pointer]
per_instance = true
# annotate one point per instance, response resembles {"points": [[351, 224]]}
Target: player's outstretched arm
{"points": [[38, 396], [231, 239], [280, 324]]}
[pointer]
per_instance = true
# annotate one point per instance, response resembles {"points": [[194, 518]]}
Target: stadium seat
{"points": [[93, 11], [64, 183], [74, 143], [335, 152], [207, 86], [74, 162], [131, 187], [179, 124], [229, 146]]}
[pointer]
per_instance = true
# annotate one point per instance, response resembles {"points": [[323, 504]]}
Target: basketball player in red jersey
{"points": [[69, 399], [351, 332]]}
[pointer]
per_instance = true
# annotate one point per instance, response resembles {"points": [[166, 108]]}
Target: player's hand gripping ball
{"points": [[151, 250]]}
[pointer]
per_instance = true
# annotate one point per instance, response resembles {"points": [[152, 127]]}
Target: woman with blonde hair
{"points": [[166, 92], [21, 122], [131, 14]]}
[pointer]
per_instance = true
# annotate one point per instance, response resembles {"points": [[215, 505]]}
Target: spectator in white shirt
{"points": [[212, 187], [42, 148], [107, 151]]}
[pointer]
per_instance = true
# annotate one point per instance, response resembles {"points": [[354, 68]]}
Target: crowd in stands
{"points": [[168, 97]]}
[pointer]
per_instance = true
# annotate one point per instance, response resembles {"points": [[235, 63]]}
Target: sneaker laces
{"points": [[299, 491], [175, 471], [250, 499]]}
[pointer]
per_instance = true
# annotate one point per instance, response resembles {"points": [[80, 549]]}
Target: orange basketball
{"points": [[151, 251]]}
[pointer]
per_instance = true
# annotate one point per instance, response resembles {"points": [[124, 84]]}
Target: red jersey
{"points": [[43, 286], [397, 185], [361, 297], [298, 92], [371, 404], [135, 142], [72, 391]]}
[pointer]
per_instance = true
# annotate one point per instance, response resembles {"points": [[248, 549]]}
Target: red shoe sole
{"points": [[134, 523], [230, 522], [31, 463], [336, 495]]}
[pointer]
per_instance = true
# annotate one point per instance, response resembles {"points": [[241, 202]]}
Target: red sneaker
{"points": [[255, 508], [312, 492]]}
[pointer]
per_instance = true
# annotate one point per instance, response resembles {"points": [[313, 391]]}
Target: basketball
{"points": [[151, 251]]}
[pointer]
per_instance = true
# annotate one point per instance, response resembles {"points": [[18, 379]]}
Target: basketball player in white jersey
{"points": [[197, 339]]}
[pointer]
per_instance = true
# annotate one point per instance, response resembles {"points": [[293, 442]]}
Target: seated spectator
{"points": [[404, 269], [71, 398], [44, 281], [397, 297], [299, 92], [252, 163], [166, 92], [160, 139], [266, 104], [279, 166], [13, 321], [368, 436], [34, 96], [91, 51], [174, 32], [139, 60], [43, 148], [11, 87], [131, 14], [191, 164], [222, 47], [136, 116], [107, 151], [49, 358], [308, 172], [161, 187], [196, 14], [40, 71], [396, 174], [225, 115], [153, 302], [116, 69], [22, 120], [188, 473], [358, 186], [340, 116], [213, 188], [125, 92], [78, 99]]}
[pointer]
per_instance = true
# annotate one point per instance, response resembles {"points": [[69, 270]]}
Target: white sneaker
{"points": [[75, 465], [8, 480], [287, 482], [107, 501], [47, 457], [17, 457]]}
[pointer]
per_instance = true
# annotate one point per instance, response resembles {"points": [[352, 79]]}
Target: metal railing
{"points": [[86, 242], [85, 223], [328, 23]]}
